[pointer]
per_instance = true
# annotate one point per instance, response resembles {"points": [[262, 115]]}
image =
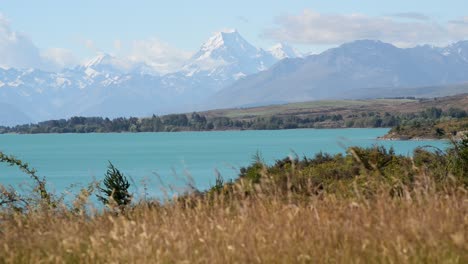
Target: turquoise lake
{"points": [[77, 159]]}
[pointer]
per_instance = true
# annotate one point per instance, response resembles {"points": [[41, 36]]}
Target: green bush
{"points": [[458, 154], [115, 190]]}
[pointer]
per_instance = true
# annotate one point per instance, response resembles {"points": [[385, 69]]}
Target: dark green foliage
{"points": [[115, 188], [457, 113], [440, 132], [432, 160], [377, 158], [221, 186], [254, 171], [432, 113], [459, 156], [361, 170]]}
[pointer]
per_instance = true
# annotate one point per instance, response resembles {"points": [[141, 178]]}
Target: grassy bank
{"points": [[365, 206]]}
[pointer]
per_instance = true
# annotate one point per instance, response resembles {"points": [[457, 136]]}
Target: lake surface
{"points": [[67, 159]]}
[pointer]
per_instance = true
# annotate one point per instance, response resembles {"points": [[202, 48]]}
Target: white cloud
{"points": [[404, 29], [16, 49], [91, 46], [162, 57], [58, 58], [459, 27], [412, 15], [118, 45]]}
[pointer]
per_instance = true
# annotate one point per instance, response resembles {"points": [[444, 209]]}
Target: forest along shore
{"points": [[409, 118]]}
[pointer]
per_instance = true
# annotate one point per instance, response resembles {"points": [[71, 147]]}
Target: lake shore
{"points": [[424, 135], [319, 208], [199, 153]]}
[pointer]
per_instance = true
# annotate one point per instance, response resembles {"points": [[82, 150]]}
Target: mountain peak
{"points": [[282, 51], [225, 38], [365, 46], [229, 31], [109, 64], [459, 44], [225, 46], [459, 49], [367, 43], [99, 59], [226, 55]]}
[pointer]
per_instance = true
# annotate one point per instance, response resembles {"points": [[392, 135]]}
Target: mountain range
{"points": [[349, 71], [104, 87], [227, 71]]}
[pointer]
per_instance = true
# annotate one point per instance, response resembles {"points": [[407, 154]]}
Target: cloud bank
{"points": [[403, 29], [16, 49], [58, 58], [160, 56]]}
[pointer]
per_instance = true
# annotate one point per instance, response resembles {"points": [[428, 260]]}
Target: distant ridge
{"points": [[353, 70], [418, 92], [228, 71], [11, 116]]}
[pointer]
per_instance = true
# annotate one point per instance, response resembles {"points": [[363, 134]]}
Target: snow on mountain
{"points": [[458, 49], [226, 57], [340, 72], [104, 63], [101, 58], [228, 45], [110, 86], [281, 51]]}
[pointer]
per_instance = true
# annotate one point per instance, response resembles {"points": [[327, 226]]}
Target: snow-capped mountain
{"points": [[347, 71], [226, 57], [110, 86], [103, 63], [222, 60], [282, 51], [459, 49], [226, 64]]}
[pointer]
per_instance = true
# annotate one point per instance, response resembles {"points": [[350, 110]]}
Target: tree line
{"points": [[201, 122]]}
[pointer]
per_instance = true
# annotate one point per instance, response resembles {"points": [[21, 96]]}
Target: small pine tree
{"points": [[115, 188]]}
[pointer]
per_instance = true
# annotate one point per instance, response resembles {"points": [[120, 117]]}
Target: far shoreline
{"points": [[201, 131], [383, 138]]}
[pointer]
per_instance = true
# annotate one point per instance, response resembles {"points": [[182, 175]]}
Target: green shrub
{"points": [[458, 154], [115, 188]]}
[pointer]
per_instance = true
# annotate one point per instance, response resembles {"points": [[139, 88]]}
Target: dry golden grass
{"points": [[423, 227]]}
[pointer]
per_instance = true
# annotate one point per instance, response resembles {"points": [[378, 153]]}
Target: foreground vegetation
{"points": [[321, 114], [365, 206], [423, 227]]}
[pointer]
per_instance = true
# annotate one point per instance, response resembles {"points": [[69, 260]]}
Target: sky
{"points": [[53, 34]]}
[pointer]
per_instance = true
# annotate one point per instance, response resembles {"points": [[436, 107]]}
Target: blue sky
{"points": [[70, 31]]}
